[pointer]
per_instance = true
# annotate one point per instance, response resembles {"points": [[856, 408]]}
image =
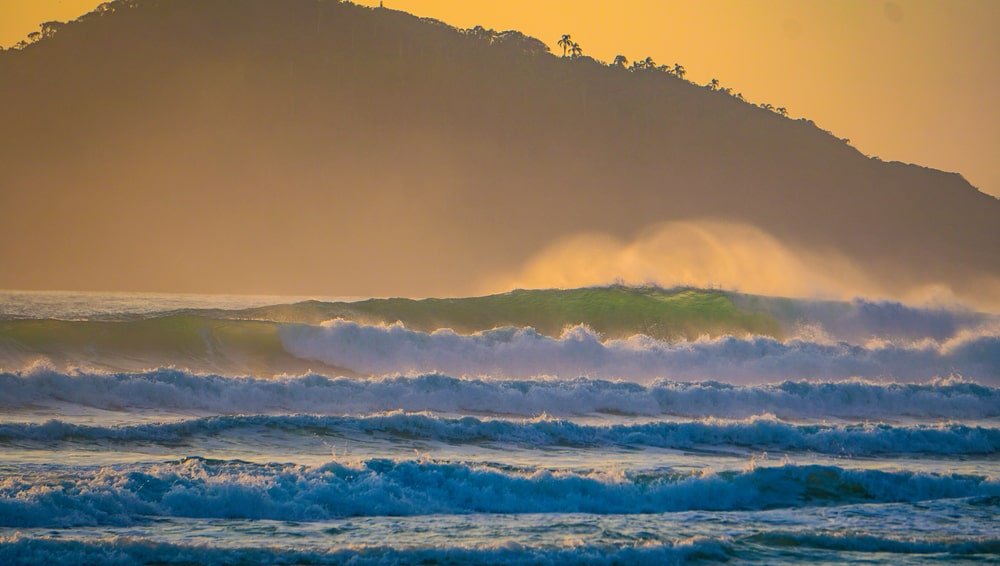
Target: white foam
{"points": [[523, 352]]}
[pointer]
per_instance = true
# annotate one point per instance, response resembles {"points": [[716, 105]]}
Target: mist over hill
{"points": [[311, 146]]}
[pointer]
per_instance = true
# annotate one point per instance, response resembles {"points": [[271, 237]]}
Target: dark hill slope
{"points": [[301, 146]]}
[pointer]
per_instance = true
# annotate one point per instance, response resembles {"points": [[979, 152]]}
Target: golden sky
{"points": [[908, 80]]}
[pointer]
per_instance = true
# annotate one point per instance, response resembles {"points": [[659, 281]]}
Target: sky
{"points": [[907, 80]]}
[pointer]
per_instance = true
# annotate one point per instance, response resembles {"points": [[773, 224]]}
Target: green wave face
{"points": [[615, 312], [247, 341], [197, 343]]}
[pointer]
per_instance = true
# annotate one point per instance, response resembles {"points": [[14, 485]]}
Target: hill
{"points": [[304, 146]]}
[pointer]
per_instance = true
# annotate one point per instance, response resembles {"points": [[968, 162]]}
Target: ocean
{"points": [[173, 429]]}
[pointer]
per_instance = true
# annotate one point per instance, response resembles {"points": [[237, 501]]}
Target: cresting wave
{"points": [[523, 352], [200, 488], [183, 391], [767, 434]]}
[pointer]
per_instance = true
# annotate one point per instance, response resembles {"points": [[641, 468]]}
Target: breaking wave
{"points": [[862, 320], [176, 390], [523, 352], [766, 434], [200, 488]]}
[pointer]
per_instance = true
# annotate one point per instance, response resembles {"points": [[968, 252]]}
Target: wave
{"points": [[523, 352], [20, 549], [123, 551], [870, 543], [619, 311], [765, 434], [653, 333], [196, 343], [200, 488], [176, 390], [862, 320]]}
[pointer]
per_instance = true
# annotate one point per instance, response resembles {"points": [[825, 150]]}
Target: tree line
{"points": [[572, 50]]}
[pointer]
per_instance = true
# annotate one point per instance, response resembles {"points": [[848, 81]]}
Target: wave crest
{"points": [[200, 488], [523, 352], [169, 389]]}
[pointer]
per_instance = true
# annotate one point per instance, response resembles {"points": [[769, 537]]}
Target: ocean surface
{"points": [[172, 429]]}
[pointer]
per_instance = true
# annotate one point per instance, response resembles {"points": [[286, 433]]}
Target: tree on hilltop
{"points": [[565, 42]]}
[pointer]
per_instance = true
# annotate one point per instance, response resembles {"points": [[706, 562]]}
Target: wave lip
{"points": [[524, 352], [766, 434], [199, 488], [176, 390]]}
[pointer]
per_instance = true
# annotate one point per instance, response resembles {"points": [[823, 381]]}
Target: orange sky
{"points": [[909, 80]]}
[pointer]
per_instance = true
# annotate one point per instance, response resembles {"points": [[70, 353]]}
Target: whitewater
{"points": [[171, 429]]}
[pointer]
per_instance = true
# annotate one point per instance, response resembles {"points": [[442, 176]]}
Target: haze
{"points": [[303, 147]]}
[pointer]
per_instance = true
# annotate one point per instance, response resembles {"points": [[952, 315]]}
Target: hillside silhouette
{"points": [[303, 146]]}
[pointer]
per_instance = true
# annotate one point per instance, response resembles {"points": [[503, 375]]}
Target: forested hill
{"points": [[303, 146]]}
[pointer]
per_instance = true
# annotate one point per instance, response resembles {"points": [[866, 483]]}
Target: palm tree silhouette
{"points": [[649, 63], [781, 110], [767, 106], [575, 50], [713, 84], [620, 62], [565, 42], [679, 70]]}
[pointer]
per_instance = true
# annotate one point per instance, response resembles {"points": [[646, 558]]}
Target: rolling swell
{"points": [[199, 488], [126, 551], [184, 391], [869, 543], [755, 433], [197, 343]]}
